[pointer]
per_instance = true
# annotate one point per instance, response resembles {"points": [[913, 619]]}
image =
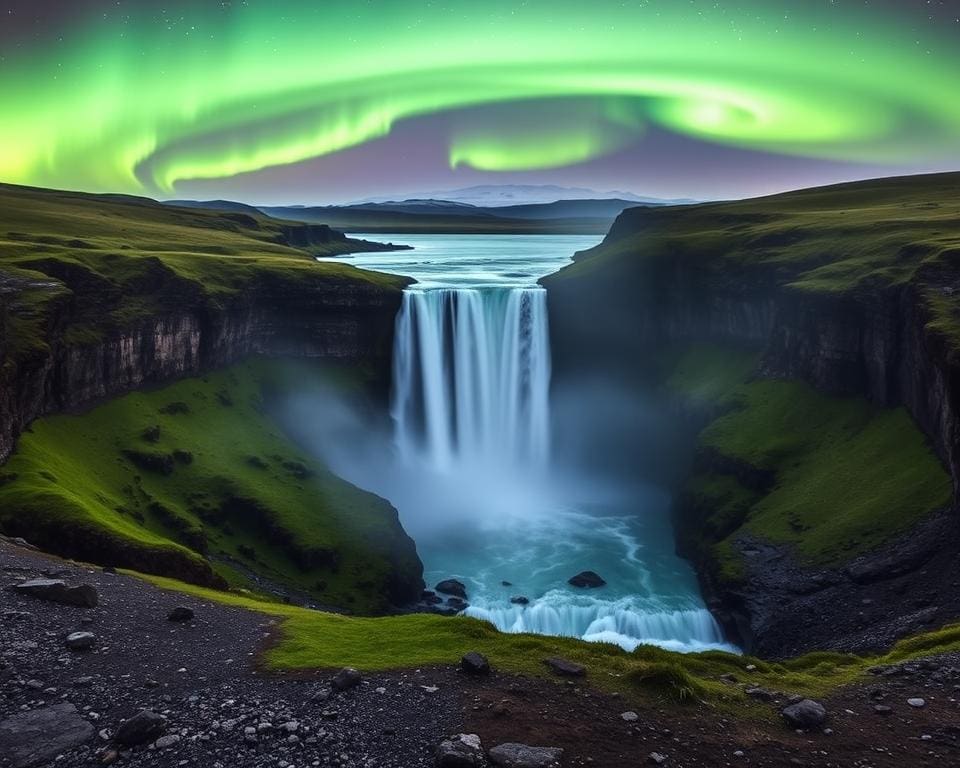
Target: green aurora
{"points": [[212, 92]]}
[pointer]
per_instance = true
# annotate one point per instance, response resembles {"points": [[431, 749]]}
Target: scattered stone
{"points": [[57, 591], [806, 713], [460, 751], [882, 709], [452, 587], [83, 682], [629, 716], [523, 756], [917, 702], [586, 579], [80, 641], [167, 741], [761, 694], [38, 736], [346, 679], [520, 600], [565, 668], [180, 613], [657, 759], [475, 663], [142, 727]]}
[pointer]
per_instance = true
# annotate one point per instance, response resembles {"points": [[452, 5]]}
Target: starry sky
{"points": [[315, 101]]}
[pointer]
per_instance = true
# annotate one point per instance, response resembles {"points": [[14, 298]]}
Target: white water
{"points": [[471, 471]]}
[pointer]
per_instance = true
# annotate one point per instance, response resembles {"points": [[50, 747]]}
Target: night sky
{"points": [[301, 101]]}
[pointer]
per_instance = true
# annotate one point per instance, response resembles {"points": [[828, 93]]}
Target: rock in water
{"points": [[564, 667], [142, 727], [805, 714], [80, 641], [452, 587], [520, 600], [587, 579], [523, 756], [346, 679], [460, 751], [35, 738], [57, 591], [475, 663], [180, 613]]}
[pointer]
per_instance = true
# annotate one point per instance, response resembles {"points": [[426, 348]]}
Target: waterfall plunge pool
{"points": [[478, 469]]}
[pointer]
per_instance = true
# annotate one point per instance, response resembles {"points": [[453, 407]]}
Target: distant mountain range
{"points": [[497, 195], [426, 215]]}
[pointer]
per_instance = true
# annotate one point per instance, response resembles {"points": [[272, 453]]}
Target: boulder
{"points": [[587, 579], [456, 603], [180, 613], [346, 679], [475, 663], [524, 756], [57, 591], [520, 600], [142, 727], [564, 667], [36, 737], [460, 751], [80, 641], [806, 713], [452, 587]]}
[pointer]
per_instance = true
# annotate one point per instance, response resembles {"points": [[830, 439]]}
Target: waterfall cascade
{"points": [[472, 376], [471, 400]]}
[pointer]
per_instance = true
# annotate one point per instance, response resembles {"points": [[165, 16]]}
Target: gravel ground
{"points": [[221, 711]]}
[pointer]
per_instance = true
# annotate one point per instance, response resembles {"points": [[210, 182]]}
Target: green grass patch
{"points": [[317, 640], [847, 476], [199, 469]]}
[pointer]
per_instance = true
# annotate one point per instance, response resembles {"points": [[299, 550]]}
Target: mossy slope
{"points": [[829, 477], [157, 480]]}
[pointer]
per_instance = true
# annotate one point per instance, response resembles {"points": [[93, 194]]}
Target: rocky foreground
{"points": [[146, 677]]}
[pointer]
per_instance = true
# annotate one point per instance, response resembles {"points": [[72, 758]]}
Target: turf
{"points": [[317, 640], [200, 468], [829, 477], [114, 260]]}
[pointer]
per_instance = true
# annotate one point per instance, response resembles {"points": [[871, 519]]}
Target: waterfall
{"points": [[470, 405], [472, 375]]}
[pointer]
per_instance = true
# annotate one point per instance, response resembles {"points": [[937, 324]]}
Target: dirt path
{"points": [[201, 675]]}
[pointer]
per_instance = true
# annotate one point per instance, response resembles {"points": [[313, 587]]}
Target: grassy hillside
{"points": [[829, 477], [115, 260], [198, 469], [848, 237]]}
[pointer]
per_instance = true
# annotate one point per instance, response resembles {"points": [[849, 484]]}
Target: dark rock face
{"points": [[332, 319], [452, 587], [565, 668], [586, 579], [460, 751], [346, 679], [805, 714], [83, 596], [474, 663], [180, 613], [33, 738], [524, 756], [142, 727]]}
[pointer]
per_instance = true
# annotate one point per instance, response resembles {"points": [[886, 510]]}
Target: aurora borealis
{"points": [[257, 99]]}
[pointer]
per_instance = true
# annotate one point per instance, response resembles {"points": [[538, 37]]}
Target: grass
{"points": [[199, 468], [317, 640], [829, 477], [106, 262], [860, 238]]}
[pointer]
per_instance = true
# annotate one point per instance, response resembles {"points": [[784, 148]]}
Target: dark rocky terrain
{"points": [[215, 705]]}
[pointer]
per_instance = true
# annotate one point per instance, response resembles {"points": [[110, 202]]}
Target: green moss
{"points": [[120, 260], [846, 476], [191, 489], [318, 640]]}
